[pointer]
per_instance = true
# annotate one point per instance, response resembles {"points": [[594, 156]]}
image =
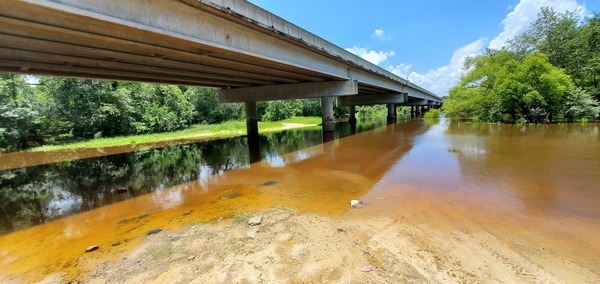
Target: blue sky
{"points": [[425, 41]]}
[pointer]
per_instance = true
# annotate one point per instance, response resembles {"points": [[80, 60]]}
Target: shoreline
{"points": [[33, 157], [289, 246]]}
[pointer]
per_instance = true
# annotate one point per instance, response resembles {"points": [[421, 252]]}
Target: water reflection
{"points": [[38, 194], [539, 169]]}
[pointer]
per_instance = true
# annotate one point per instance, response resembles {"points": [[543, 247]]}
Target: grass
{"points": [[242, 218], [198, 131]]}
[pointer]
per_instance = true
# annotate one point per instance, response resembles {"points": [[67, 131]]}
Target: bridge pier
{"points": [[352, 114], [252, 131], [327, 108], [412, 111], [391, 117]]}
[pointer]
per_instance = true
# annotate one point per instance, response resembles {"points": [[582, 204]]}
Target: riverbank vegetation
{"points": [[550, 73], [43, 111], [198, 131]]}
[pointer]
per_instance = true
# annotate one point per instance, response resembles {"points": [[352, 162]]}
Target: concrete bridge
{"points": [[245, 51]]}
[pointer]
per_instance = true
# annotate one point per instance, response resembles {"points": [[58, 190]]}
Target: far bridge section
{"points": [[247, 52]]}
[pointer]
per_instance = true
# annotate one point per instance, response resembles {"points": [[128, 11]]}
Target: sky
{"points": [[424, 41]]}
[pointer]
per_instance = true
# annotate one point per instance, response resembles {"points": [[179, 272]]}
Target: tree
{"points": [[279, 110], [581, 106], [568, 42], [500, 85], [19, 118]]}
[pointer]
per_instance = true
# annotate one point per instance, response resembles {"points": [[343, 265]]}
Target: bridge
{"points": [[247, 52]]}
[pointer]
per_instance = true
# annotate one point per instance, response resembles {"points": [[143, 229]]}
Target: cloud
{"points": [[380, 35], [440, 80], [370, 55], [402, 70], [521, 17]]}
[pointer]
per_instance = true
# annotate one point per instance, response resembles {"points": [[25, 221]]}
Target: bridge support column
{"points": [[252, 131], [327, 108], [352, 114], [412, 111], [391, 117]]}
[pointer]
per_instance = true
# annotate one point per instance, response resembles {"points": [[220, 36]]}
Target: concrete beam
{"points": [[289, 91], [415, 103], [373, 99]]}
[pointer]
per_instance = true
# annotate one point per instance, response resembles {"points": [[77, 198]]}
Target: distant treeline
{"points": [[48, 110], [550, 73]]}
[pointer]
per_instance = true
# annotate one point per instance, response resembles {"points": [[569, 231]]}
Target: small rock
{"points": [[367, 268], [92, 248], [357, 203], [190, 258], [230, 195], [174, 239], [154, 232], [252, 234], [255, 221], [340, 230], [268, 183], [117, 243]]}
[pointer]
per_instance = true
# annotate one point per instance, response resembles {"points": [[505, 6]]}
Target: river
{"points": [[538, 181]]}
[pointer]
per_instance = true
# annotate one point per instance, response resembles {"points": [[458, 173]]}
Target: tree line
{"points": [[550, 73], [38, 111]]}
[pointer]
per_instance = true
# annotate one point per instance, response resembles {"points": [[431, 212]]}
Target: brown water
{"points": [[537, 185]]}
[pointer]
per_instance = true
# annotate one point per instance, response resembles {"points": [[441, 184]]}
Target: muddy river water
{"points": [[537, 187]]}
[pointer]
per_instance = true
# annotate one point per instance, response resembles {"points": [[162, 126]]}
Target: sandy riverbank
{"points": [[290, 247]]}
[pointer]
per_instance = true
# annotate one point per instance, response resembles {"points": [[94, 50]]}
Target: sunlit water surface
{"points": [[539, 182]]}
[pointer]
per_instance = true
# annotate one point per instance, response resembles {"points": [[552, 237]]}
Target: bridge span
{"points": [[247, 52]]}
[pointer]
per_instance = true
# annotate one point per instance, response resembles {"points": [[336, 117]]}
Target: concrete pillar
{"points": [[391, 117], [252, 131], [417, 110], [352, 113], [327, 108], [412, 111]]}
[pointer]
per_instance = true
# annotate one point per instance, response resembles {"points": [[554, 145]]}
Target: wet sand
{"points": [[292, 247]]}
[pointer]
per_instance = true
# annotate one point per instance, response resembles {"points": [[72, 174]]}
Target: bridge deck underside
{"points": [[61, 44]]}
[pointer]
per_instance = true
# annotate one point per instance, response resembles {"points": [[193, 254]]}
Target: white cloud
{"points": [[380, 35], [440, 80], [370, 55], [521, 17], [402, 70]]}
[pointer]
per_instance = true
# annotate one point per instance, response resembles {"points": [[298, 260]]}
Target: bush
{"points": [[580, 105], [433, 113]]}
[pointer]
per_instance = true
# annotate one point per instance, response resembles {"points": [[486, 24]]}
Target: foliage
{"points": [[581, 106], [433, 113], [279, 110], [371, 111], [527, 88], [197, 131], [209, 110], [568, 42]]}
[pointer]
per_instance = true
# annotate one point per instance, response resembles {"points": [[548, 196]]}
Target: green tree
{"points": [[500, 85], [581, 106], [19, 116], [568, 42], [279, 110]]}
